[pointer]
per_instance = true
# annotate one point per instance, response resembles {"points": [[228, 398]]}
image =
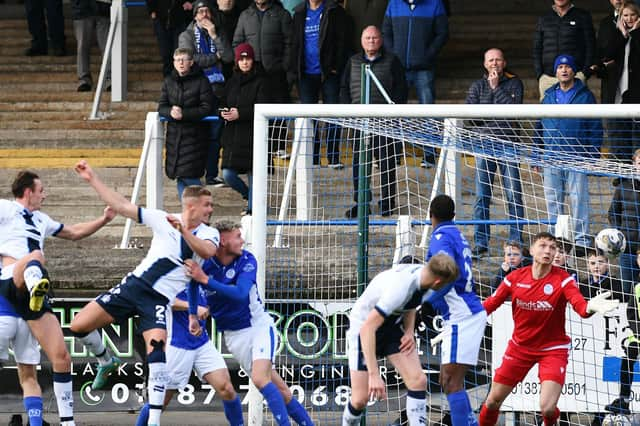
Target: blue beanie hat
{"points": [[566, 60]]}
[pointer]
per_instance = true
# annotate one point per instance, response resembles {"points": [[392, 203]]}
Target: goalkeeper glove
{"points": [[602, 304]]}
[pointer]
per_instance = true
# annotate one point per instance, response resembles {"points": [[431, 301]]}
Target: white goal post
{"points": [[293, 203]]}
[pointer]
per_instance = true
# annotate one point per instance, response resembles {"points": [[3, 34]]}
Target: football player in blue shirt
{"points": [[229, 281], [187, 352], [463, 314]]}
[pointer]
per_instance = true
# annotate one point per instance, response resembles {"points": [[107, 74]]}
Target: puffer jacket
{"points": [[270, 36], [571, 34], [187, 140]]}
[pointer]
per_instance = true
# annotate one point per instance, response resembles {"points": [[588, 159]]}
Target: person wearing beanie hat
{"points": [[211, 49], [569, 136], [244, 50]]}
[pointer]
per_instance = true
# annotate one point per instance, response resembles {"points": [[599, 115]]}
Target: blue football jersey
{"points": [[6, 309], [230, 313], [458, 300], [180, 336]]}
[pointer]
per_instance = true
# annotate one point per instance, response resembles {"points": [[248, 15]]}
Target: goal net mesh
{"points": [[314, 243]]}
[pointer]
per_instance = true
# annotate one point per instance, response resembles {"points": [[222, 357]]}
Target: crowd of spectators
{"points": [[318, 46]]}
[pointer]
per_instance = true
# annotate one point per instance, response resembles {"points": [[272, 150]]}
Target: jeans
{"points": [[383, 149], [182, 183], [38, 27], [424, 83], [557, 184], [310, 86], [232, 179], [486, 171], [213, 155], [628, 271]]}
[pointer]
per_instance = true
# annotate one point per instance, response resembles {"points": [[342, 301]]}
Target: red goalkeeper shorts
{"points": [[516, 363]]}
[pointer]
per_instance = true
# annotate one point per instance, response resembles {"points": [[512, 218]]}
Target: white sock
{"points": [[93, 342], [416, 411], [32, 276], [158, 378], [63, 389], [350, 419]]}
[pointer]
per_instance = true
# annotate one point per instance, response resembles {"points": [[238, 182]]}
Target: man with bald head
{"points": [[497, 86], [389, 71]]}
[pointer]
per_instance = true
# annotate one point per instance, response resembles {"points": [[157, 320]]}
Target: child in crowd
{"points": [[600, 279], [562, 256], [514, 258]]}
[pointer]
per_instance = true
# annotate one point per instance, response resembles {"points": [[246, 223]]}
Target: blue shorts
{"points": [[20, 301], [388, 338], [135, 297]]}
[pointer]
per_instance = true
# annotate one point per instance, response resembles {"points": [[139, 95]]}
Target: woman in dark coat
{"points": [[624, 49], [186, 99], [246, 88]]}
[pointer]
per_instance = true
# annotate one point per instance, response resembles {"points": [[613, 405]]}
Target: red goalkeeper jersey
{"points": [[539, 307]]}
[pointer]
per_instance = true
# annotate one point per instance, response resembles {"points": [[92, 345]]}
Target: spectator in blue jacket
{"points": [[576, 138], [415, 31], [497, 86]]}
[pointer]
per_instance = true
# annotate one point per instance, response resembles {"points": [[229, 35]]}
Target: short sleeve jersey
{"points": [[23, 231], [231, 314], [180, 337], [458, 300], [392, 293], [162, 268], [539, 306]]}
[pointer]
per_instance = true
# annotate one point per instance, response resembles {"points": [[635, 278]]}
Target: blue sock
{"points": [[233, 411], [33, 407], [460, 408], [298, 413], [276, 404], [143, 417]]}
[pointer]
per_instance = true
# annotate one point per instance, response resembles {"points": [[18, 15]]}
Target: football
{"points": [[616, 420], [611, 242]]}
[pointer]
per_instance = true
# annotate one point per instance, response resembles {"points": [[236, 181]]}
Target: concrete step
{"points": [[76, 106]]}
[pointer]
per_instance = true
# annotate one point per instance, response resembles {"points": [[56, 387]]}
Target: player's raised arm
{"points": [[501, 294], [117, 201], [84, 229], [203, 248]]}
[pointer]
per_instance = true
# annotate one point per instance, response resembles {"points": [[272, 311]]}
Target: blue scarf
{"points": [[205, 45]]}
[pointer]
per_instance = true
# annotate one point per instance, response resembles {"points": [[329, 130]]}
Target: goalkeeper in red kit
{"points": [[539, 294]]}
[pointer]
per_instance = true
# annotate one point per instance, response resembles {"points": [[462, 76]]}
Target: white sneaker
{"points": [[336, 166]]}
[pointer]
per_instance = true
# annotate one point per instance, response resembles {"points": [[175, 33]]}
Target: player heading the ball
{"points": [[382, 323]]}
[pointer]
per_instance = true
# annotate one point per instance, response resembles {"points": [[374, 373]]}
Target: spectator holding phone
{"points": [[243, 90], [624, 49]]}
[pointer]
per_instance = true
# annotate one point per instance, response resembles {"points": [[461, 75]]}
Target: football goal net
{"points": [[341, 192]]}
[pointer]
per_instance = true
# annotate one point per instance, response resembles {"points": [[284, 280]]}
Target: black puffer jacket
{"points": [[242, 91], [269, 35], [187, 139], [571, 34], [624, 212]]}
